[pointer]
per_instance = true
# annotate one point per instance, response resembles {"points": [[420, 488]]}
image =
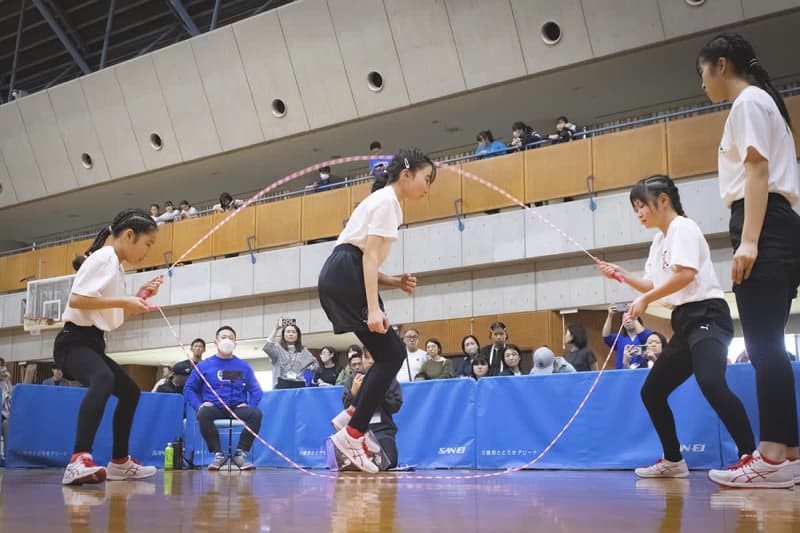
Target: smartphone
{"points": [[621, 308], [638, 349], [288, 322]]}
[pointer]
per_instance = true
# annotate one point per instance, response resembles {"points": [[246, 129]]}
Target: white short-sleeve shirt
{"points": [[683, 245], [101, 275], [755, 121], [378, 214]]}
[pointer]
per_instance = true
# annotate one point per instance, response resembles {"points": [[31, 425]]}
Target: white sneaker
{"points": [[131, 469], [342, 419], [353, 451], [794, 468], [664, 468], [83, 470], [753, 472]]}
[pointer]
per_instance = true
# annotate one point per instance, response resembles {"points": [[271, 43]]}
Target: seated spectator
{"points": [[170, 386], [437, 366], [578, 354], [470, 347], [186, 210], [634, 333], [169, 214], [155, 210], [58, 379], [644, 356], [382, 423], [523, 135], [378, 162], [487, 146], [511, 360], [494, 352], [227, 203], [422, 376], [324, 181], [166, 372], [480, 368], [328, 371], [565, 130], [546, 362], [290, 359], [182, 369], [354, 360], [235, 382], [415, 357]]}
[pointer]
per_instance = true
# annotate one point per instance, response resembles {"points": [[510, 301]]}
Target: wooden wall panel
{"points": [[441, 198], [507, 172], [557, 171], [324, 213], [278, 223], [693, 144], [624, 157], [188, 232], [232, 237]]}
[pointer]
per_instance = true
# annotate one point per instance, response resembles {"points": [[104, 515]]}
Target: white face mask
{"points": [[226, 346], [325, 356]]}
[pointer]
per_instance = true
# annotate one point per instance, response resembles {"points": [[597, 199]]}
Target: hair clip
{"points": [[110, 230], [405, 160], [753, 62]]}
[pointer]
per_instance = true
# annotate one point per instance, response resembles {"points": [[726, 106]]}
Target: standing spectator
{"points": [[546, 362], [470, 347], [186, 210], [289, 357], [235, 382], [354, 360], [328, 371], [437, 366], [58, 378], [182, 369], [154, 211], [523, 135], [227, 203], [635, 333], [378, 162], [511, 360], [487, 146], [565, 130], [169, 214], [415, 357], [480, 368], [494, 352], [578, 354]]}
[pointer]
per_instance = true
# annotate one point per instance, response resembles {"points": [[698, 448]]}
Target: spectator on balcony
{"points": [[227, 203], [169, 214], [328, 371], [494, 352], [578, 354], [415, 357], [470, 347], [635, 333], [437, 366], [325, 180], [155, 209], [546, 362], [378, 162], [354, 361], [511, 360], [480, 368], [487, 146], [565, 130], [523, 136], [290, 359], [186, 210]]}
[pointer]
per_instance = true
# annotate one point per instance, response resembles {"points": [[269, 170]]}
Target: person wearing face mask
{"points": [[235, 382], [470, 347], [327, 373], [325, 181], [290, 359]]}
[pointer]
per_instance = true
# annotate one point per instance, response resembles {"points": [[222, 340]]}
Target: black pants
{"points": [[206, 416], [389, 352], [764, 300], [81, 353], [389, 446], [699, 346], [289, 384]]}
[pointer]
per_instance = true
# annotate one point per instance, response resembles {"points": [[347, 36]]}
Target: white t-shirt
{"points": [[378, 214], [683, 245], [417, 359], [100, 275], [755, 121]]}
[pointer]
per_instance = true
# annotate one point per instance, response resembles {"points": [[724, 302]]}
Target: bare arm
{"points": [[607, 324], [375, 248], [756, 193], [679, 278], [131, 305], [612, 271]]}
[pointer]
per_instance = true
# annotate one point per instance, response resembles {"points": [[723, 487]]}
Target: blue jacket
{"points": [[496, 148], [233, 379]]}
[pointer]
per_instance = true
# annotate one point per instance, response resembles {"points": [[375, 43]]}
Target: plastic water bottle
{"points": [[169, 457]]}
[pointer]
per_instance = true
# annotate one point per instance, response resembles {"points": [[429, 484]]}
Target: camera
{"points": [[288, 322]]}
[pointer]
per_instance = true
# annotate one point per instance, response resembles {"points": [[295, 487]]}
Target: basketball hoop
{"points": [[36, 324]]}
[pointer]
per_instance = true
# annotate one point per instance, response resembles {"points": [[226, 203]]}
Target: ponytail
{"points": [[137, 220], [411, 159], [742, 57], [647, 190]]}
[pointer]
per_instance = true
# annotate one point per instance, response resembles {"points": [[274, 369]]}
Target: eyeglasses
{"points": [[412, 337]]}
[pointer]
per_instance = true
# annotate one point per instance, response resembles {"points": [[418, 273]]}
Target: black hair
{"points": [[647, 191], [562, 118], [201, 341], [411, 159], [514, 347], [169, 203], [325, 169], [184, 202], [738, 51], [480, 360], [158, 207], [2, 361], [298, 344], [56, 366], [137, 220], [422, 375], [520, 126], [375, 144], [485, 135], [464, 340], [436, 342], [660, 336], [225, 198], [578, 332], [223, 328], [497, 325], [354, 348], [331, 349]]}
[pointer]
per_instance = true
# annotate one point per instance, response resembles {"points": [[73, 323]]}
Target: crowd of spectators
{"points": [[524, 137]]}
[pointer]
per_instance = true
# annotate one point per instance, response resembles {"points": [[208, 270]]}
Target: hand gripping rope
{"points": [[466, 174]]}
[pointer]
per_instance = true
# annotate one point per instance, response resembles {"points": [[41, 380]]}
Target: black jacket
{"points": [[495, 366], [391, 404]]}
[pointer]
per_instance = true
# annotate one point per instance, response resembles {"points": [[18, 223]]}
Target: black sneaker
{"points": [[240, 460], [219, 462]]}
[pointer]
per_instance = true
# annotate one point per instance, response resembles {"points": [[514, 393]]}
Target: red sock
{"points": [[356, 434], [769, 461], [75, 456], [121, 461]]}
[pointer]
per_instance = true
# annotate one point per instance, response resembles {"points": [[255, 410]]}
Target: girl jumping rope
{"points": [[97, 304], [348, 292]]}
